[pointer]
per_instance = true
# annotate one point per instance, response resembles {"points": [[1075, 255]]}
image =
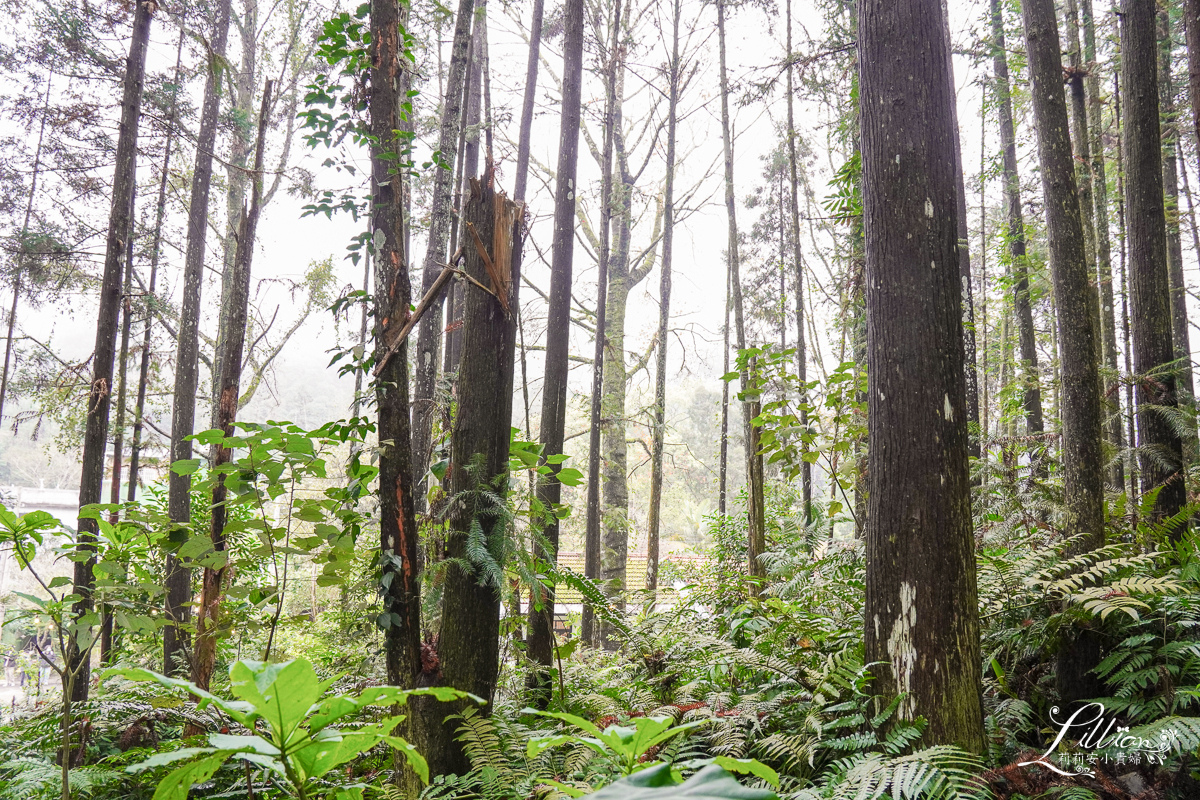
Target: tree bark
{"points": [[95, 435], [468, 646], [1032, 394], [233, 347], [183, 414], [558, 322], [1161, 449], [921, 600], [756, 520]]}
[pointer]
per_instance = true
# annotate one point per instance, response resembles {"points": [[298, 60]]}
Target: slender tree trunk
{"points": [[558, 322], [540, 644], [95, 435], [1153, 353], [798, 267], [1131, 463], [467, 168], [1015, 235], [233, 346], [964, 262], [654, 523], [241, 140], [919, 520], [429, 332], [1191, 26], [468, 646], [135, 445], [756, 527], [118, 437], [400, 586], [723, 447], [1077, 325], [1185, 388], [19, 273], [183, 415], [1082, 457], [521, 180], [1108, 328], [591, 542]]}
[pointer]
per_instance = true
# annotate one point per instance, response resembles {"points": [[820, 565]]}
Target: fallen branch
{"points": [[439, 283]]}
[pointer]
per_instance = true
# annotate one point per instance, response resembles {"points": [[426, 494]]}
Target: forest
{"points": [[643, 399]]}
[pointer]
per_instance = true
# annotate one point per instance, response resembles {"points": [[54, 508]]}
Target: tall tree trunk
{"points": [[1022, 309], [1127, 342], [467, 168], [468, 646], [1185, 388], [135, 445], [1191, 26], [540, 644], [798, 267], [654, 523], [723, 446], [241, 140], [1108, 328], [118, 434], [756, 519], [591, 536], [233, 346], [521, 180], [183, 414], [1075, 74], [95, 437], [1077, 323], [429, 332], [919, 520], [400, 585], [1080, 408], [1153, 353], [558, 322], [18, 274], [118, 437]]}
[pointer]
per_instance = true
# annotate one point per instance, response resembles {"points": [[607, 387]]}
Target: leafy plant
{"points": [[290, 724]]}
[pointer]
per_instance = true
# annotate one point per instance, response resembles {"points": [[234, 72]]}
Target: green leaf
{"points": [[176, 786], [185, 466], [570, 476], [658, 783]]}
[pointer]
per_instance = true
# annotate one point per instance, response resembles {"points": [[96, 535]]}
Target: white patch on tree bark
{"points": [[948, 408], [902, 650], [928, 208]]}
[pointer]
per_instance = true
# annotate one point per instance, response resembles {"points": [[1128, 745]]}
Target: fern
{"points": [[936, 773]]}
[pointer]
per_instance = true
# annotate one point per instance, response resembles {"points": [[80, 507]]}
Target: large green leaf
{"points": [[658, 783], [283, 694], [177, 784]]}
